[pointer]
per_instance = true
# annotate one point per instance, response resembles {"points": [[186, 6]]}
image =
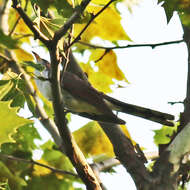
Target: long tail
{"points": [[152, 115]]}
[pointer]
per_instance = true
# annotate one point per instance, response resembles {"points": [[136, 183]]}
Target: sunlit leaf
{"points": [[4, 185], [105, 26], [39, 170], [9, 121], [162, 136], [5, 87], [93, 141], [107, 64], [22, 55], [13, 89], [98, 79], [21, 27], [101, 81], [42, 24]]}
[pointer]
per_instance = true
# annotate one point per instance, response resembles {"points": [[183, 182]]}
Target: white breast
{"points": [[43, 86]]}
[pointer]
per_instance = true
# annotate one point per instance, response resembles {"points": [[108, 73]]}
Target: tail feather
{"points": [[152, 115]]}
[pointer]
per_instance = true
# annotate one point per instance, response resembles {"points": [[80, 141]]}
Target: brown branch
{"points": [[55, 170], [71, 148], [29, 23], [125, 153], [130, 46], [76, 15], [90, 21], [72, 151], [185, 116], [168, 167]]}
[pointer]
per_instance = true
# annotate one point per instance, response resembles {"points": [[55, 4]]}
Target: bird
{"points": [[80, 97]]}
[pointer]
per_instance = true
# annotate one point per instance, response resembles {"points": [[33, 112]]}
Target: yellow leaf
{"points": [[106, 26], [100, 2], [93, 141], [41, 171], [99, 80], [23, 55], [108, 64], [21, 27], [87, 68]]}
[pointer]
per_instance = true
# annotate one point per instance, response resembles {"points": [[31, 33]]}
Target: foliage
{"points": [[181, 6], [163, 135], [18, 134]]}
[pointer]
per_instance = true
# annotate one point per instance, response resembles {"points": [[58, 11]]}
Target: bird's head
{"points": [[42, 61]]}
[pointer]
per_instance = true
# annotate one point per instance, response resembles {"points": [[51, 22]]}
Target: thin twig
{"points": [[55, 170], [172, 103], [152, 45], [90, 21], [23, 36], [67, 51], [37, 33], [102, 56], [18, 19], [76, 15]]}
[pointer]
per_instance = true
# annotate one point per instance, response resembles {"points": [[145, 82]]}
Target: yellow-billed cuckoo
{"points": [[81, 98]]}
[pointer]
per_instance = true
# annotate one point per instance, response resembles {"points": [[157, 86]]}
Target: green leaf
{"points": [[63, 8], [10, 121], [7, 41], [43, 4], [181, 6], [13, 89], [15, 182], [25, 136], [162, 136], [50, 181], [55, 158], [170, 7], [39, 67], [4, 185], [5, 87]]}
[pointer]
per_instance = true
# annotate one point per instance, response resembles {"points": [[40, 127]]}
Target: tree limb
{"points": [[125, 153], [71, 148]]}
